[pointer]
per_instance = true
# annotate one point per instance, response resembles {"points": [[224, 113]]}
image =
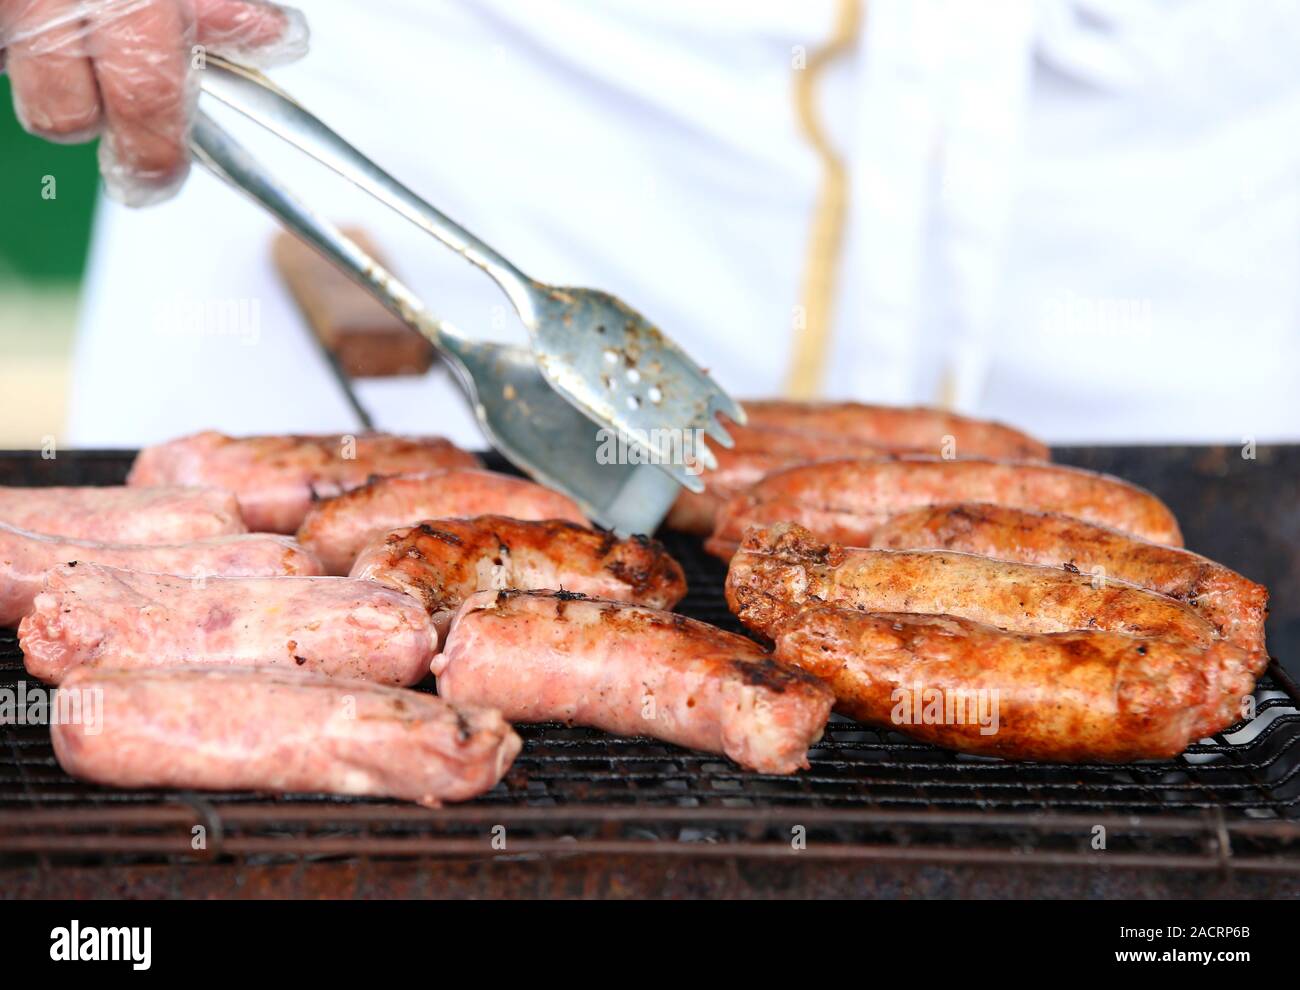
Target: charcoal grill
{"points": [[585, 813]]}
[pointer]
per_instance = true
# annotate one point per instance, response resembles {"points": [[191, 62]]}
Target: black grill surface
{"points": [[1230, 801]]}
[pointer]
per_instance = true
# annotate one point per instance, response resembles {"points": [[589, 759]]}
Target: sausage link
{"points": [[780, 571], [277, 478], [88, 614], [1235, 605], [1069, 696], [935, 431], [624, 668], [847, 500], [117, 514], [338, 529], [279, 731], [442, 562], [26, 557], [742, 467]]}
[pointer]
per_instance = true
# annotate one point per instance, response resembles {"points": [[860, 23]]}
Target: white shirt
{"points": [[1082, 217]]}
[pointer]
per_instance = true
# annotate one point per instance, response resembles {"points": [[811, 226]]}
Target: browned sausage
{"points": [[339, 528], [779, 572], [444, 561], [1068, 696], [1235, 605], [935, 431], [757, 454], [542, 655], [696, 512], [847, 500]]}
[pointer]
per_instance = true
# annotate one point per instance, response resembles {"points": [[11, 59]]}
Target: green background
{"points": [[42, 240]]}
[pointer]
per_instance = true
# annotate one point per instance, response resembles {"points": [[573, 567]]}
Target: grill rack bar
{"points": [[1204, 842]]}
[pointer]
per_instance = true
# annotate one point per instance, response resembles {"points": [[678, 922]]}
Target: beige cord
{"points": [[826, 237]]}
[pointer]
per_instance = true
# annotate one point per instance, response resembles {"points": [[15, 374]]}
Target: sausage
{"points": [[240, 728], [89, 614], [783, 434], [797, 444], [696, 512], [1234, 605], [739, 468], [442, 562], [1067, 696], [847, 500], [780, 571], [338, 529], [25, 557], [277, 478], [117, 514], [935, 431], [543, 655]]}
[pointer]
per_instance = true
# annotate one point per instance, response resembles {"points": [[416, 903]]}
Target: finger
{"points": [[140, 52], [54, 91], [251, 32]]}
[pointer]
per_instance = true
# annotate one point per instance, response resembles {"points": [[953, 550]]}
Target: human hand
{"points": [[126, 69]]}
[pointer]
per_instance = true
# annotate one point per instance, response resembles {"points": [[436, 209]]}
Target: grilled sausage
{"points": [[738, 469], [779, 572], [935, 431], [1068, 696], [628, 669], [696, 512], [444, 561], [338, 529], [847, 500], [88, 614], [117, 514], [806, 445], [279, 731], [1234, 605], [25, 557], [277, 478]]}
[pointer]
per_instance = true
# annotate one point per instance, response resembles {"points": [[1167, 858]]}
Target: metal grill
{"points": [[1231, 802]]}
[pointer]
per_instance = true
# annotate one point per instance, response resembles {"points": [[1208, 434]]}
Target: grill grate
{"points": [[869, 793]]}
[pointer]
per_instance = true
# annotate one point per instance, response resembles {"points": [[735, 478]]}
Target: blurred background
{"points": [[43, 245]]}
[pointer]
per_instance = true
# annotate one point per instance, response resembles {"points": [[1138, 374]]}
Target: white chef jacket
{"points": [[1080, 216]]}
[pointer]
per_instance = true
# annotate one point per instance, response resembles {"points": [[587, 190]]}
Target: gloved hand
{"points": [[127, 69]]}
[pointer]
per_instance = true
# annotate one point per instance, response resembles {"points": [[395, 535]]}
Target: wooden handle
{"points": [[367, 340]]}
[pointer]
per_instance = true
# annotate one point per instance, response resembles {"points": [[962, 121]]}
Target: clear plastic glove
{"points": [[127, 69]]}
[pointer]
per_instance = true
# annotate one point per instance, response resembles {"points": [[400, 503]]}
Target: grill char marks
{"points": [[1068, 697], [544, 655], [781, 570], [1233, 604], [338, 529], [1082, 670], [441, 562], [847, 500]]}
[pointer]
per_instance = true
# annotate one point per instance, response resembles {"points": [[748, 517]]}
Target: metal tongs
{"points": [[603, 407]]}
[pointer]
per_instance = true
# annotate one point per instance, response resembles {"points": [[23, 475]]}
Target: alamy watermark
{"points": [[920, 705], [1068, 314], [660, 446], [237, 318], [25, 704]]}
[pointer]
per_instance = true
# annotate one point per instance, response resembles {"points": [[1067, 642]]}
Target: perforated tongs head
{"points": [[605, 407]]}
